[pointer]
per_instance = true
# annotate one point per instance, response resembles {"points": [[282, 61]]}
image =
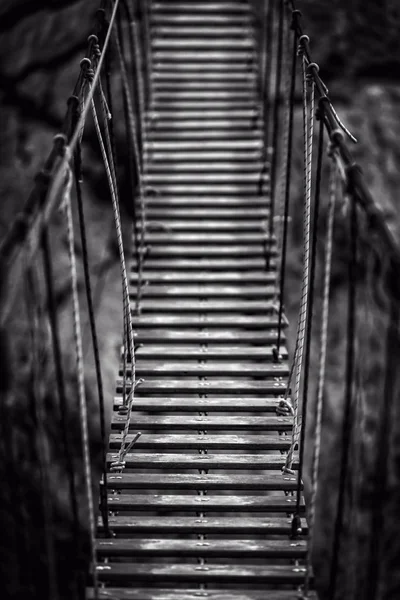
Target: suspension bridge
{"points": [[202, 486]]}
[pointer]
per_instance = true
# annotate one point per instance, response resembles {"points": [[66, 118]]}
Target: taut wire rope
{"points": [[297, 363]]}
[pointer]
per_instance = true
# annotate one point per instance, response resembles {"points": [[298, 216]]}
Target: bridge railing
{"points": [[349, 328], [120, 44]]}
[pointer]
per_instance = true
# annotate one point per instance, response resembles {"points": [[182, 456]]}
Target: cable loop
{"points": [[85, 63]]}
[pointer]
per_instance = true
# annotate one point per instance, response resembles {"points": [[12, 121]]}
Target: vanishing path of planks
{"points": [[202, 508]]}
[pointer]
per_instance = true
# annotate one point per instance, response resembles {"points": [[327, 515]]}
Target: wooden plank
{"points": [[192, 114], [212, 144], [214, 212], [209, 351], [235, 548], [183, 30], [228, 404], [233, 44], [250, 462], [194, 305], [211, 20], [227, 8], [279, 503], [227, 423], [229, 226], [237, 252], [212, 178], [223, 574], [260, 277], [206, 335], [209, 238], [207, 320], [193, 290], [194, 594], [205, 525], [207, 385], [192, 441], [192, 368]]}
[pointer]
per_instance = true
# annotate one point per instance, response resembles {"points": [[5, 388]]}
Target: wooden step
{"points": [[179, 573], [211, 156], [190, 213], [188, 290], [211, 144], [193, 368], [250, 462], [225, 31], [207, 351], [207, 277], [205, 335], [226, 305], [203, 168], [203, 422], [216, 8], [192, 441], [207, 525], [195, 405], [228, 226], [235, 548], [232, 44], [186, 18], [119, 593], [274, 503]]}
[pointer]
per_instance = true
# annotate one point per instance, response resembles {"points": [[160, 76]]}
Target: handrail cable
{"points": [[297, 362], [50, 181], [335, 128]]}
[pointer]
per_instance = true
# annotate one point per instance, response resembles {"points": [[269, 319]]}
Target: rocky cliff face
{"points": [[41, 44]]}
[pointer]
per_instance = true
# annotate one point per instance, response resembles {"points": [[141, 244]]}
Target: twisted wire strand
{"points": [[81, 376], [297, 363], [125, 286], [323, 345]]}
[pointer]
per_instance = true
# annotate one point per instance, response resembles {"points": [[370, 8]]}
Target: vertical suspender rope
{"points": [[127, 311], [323, 345], [308, 321], [288, 172], [349, 384], [297, 363], [81, 377]]}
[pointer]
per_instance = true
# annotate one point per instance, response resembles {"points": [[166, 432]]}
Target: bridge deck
{"points": [[202, 507]]}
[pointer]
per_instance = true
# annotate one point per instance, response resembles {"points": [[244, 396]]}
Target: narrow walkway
{"points": [[202, 507]]}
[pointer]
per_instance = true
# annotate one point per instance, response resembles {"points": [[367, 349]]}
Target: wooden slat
{"points": [[188, 290], [191, 441], [236, 548], [184, 368], [207, 385], [194, 594], [194, 305], [209, 238], [200, 335], [269, 480], [228, 423], [206, 525], [277, 503], [250, 462], [209, 225], [229, 404], [209, 351], [208, 320], [224, 574]]}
